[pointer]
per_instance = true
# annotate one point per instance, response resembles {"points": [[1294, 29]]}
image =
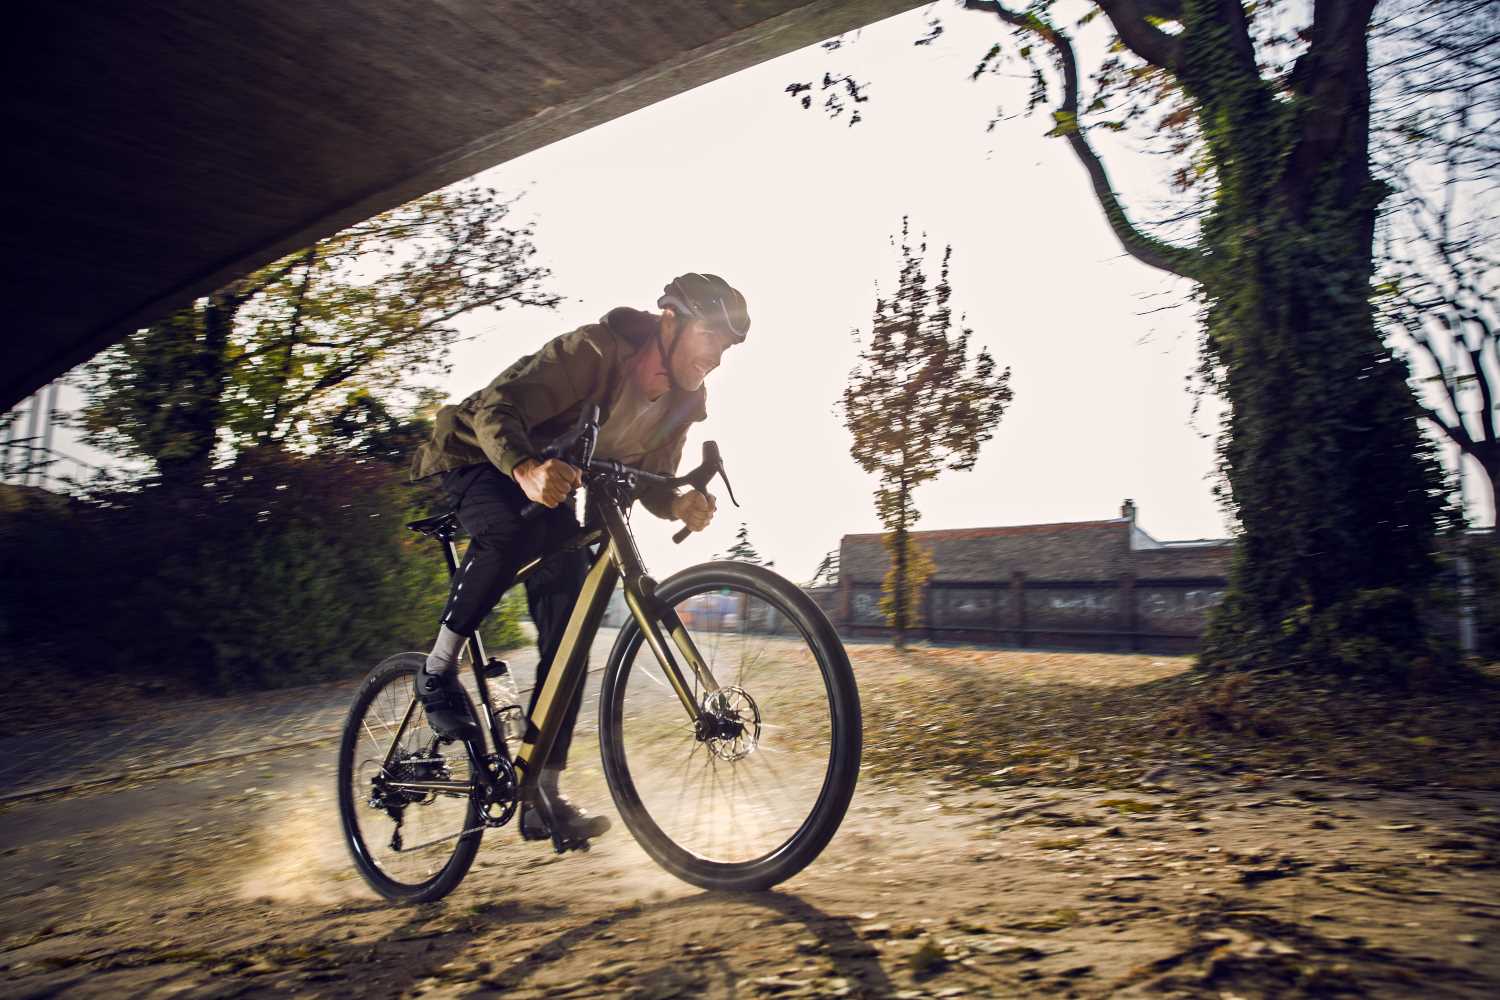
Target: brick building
{"points": [[1090, 584]]}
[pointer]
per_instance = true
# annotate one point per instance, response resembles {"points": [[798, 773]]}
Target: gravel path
{"points": [[230, 880]]}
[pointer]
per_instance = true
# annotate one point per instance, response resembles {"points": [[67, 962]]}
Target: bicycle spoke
{"points": [[410, 757], [705, 796]]}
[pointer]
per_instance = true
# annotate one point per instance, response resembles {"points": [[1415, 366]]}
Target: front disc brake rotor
{"points": [[735, 720]]}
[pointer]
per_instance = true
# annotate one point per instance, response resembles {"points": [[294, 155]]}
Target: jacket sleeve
{"points": [[561, 374], [663, 461]]}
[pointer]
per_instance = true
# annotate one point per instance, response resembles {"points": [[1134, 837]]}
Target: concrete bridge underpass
{"points": [[160, 148]]}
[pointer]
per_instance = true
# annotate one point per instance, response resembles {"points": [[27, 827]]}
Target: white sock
{"points": [[445, 652]]}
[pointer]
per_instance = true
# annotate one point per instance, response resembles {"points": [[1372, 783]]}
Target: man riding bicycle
{"points": [[645, 372]]}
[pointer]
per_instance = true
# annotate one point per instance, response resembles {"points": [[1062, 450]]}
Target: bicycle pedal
{"points": [[561, 845]]}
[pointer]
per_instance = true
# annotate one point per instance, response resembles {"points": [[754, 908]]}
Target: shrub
{"points": [[283, 569]]}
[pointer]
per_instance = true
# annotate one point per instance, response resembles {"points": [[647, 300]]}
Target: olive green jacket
{"points": [[540, 397]]}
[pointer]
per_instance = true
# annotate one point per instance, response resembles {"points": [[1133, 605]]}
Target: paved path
{"points": [[195, 729]]}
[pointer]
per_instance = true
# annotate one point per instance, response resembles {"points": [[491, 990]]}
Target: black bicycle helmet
{"points": [[709, 298]]}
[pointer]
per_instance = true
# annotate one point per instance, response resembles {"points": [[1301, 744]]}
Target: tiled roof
{"points": [[956, 534]]}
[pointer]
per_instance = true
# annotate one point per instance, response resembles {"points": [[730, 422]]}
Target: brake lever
{"points": [[712, 465], [729, 489]]}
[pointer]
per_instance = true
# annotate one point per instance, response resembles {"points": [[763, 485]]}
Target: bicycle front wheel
{"points": [[409, 803], [753, 800]]}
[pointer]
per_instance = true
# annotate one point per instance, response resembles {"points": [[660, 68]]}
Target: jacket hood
{"points": [[634, 325]]}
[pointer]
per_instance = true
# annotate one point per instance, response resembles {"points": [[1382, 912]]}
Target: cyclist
{"points": [[645, 372]]}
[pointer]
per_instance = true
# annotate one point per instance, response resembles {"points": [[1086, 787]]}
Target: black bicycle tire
{"points": [[804, 846], [465, 848]]}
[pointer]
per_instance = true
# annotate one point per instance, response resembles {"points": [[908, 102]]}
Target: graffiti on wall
{"points": [[1177, 603], [1064, 607]]}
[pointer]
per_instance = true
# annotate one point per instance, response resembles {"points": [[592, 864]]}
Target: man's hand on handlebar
{"points": [[694, 509], [547, 483]]}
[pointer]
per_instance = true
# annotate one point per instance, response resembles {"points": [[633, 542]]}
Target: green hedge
{"points": [[285, 569]]}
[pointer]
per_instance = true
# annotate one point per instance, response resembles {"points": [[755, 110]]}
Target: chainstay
{"points": [[447, 836]]}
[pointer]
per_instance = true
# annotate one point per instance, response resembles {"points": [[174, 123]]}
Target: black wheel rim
{"points": [[431, 825], [699, 808]]}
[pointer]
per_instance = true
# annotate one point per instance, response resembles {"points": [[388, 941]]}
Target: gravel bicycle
{"points": [[729, 719]]}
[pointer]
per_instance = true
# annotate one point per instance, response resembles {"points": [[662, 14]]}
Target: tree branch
{"points": [[1167, 10], [1414, 328], [294, 328], [1181, 261], [1141, 36], [1456, 431], [1232, 15], [1458, 434], [1486, 395]]}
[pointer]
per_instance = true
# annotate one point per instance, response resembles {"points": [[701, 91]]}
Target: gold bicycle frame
{"points": [[618, 562]]}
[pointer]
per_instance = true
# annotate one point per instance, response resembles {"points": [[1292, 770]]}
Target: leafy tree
{"points": [[916, 405], [291, 352], [1267, 123], [280, 569], [365, 426]]}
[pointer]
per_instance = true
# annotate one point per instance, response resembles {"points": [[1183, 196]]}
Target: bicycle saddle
{"points": [[441, 526]]}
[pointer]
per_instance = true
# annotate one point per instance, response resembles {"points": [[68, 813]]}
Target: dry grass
{"points": [[1226, 706], [1003, 717]]}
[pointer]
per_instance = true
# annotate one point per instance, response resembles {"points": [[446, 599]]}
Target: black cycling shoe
{"points": [[442, 697], [571, 822]]}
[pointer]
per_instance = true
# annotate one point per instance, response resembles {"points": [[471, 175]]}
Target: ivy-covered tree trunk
{"points": [[1335, 489], [1334, 485]]}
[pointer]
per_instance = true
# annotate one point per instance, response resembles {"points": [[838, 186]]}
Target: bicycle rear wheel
{"points": [[753, 802], [410, 845]]}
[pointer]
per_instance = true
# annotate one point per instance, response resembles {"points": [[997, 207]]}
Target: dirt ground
{"points": [[1027, 824]]}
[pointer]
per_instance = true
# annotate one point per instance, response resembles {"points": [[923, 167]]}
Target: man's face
{"points": [[698, 351]]}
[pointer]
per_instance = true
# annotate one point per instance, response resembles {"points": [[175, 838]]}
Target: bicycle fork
{"points": [[618, 562], [650, 613]]}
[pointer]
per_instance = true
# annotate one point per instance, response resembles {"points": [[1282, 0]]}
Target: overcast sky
{"points": [[797, 210]]}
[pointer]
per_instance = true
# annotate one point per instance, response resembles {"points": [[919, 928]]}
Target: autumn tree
{"points": [[917, 404], [325, 339]]}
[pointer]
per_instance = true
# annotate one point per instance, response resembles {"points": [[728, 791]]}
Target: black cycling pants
{"points": [[501, 542]]}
